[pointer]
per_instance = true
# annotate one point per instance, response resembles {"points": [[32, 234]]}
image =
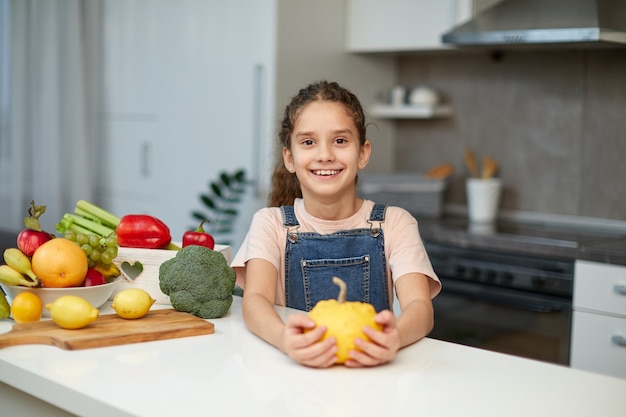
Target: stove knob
{"points": [[459, 271], [476, 272], [507, 278], [539, 282]]}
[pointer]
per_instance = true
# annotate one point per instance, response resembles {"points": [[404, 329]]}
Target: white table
{"points": [[232, 372]]}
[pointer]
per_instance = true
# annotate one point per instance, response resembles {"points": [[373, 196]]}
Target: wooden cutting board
{"points": [[109, 330]]}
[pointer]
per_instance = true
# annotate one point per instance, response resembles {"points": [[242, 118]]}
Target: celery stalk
{"points": [[69, 220], [79, 229], [88, 209]]}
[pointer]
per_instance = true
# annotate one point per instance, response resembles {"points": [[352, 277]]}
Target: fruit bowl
{"points": [[96, 295]]}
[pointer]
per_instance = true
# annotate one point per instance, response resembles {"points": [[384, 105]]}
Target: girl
{"points": [[316, 228]]}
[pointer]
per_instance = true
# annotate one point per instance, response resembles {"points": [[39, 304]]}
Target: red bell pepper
{"points": [[142, 231], [198, 237]]}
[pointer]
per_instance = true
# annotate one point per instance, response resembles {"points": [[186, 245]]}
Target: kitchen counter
{"points": [[542, 239], [232, 372]]}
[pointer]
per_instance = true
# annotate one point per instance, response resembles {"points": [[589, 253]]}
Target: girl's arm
{"points": [[417, 317], [261, 318], [258, 301]]}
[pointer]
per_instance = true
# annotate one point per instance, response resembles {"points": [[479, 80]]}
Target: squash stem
{"points": [[343, 289]]}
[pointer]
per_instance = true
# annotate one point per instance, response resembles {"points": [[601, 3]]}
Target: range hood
{"points": [[545, 22]]}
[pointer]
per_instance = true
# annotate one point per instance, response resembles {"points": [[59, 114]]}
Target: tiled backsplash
{"points": [[554, 119]]}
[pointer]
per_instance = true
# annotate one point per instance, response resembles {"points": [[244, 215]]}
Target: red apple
{"points": [[93, 277], [28, 241]]}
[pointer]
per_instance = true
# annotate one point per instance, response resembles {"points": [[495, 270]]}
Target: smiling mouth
{"points": [[326, 172]]}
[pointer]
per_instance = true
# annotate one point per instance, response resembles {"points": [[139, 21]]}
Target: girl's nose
{"points": [[325, 152]]}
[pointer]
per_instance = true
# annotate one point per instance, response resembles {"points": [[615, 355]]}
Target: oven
{"points": [[509, 303]]}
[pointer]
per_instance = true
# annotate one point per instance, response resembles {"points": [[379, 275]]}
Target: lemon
{"points": [[132, 303], [72, 312]]}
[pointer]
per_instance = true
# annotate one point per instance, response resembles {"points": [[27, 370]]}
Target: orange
{"points": [[60, 263], [26, 307]]}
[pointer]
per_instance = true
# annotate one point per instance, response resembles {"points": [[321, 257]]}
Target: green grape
{"points": [[112, 252], [94, 241], [95, 256], [105, 258], [111, 241], [91, 263], [82, 238], [70, 234], [87, 249]]}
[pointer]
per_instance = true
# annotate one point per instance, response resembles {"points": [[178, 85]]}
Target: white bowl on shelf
{"points": [[96, 295]]}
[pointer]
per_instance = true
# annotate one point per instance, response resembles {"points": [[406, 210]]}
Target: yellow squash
{"points": [[344, 320]]}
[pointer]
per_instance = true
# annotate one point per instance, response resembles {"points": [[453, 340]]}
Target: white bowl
{"points": [[96, 295]]}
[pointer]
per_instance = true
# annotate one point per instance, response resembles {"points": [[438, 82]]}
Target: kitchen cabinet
{"points": [[185, 90], [599, 319], [401, 25], [405, 25]]}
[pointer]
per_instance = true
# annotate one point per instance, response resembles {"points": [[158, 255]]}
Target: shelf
{"points": [[384, 111]]}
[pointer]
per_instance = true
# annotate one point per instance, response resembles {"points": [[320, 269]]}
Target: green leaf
{"points": [[208, 201], [216, 189], [225, 179], [240, 176], [199, 216]]}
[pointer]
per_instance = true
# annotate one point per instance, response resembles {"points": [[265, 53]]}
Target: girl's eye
{"points": [[307, 142], [341, 141]]}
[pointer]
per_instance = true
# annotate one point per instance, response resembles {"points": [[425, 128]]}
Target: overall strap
{"points": [[378, 213], [289, 216]]}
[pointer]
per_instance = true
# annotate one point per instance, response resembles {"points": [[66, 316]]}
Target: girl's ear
{"points": [[288, 160], [366, 152]]}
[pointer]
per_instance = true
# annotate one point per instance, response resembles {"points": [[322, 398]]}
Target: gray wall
{"points": [[304, 56], [554, 119]]}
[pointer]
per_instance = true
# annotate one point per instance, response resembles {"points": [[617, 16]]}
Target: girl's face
{"points": [[325, 152]]}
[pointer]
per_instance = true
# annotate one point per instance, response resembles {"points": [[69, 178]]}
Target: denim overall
{"points": [[356, 256]]}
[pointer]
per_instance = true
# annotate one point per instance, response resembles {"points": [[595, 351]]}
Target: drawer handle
{"points": [[620, 289], [619, 339]]}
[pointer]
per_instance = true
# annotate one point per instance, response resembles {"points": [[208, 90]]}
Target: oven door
{"points": [[504, 320]]}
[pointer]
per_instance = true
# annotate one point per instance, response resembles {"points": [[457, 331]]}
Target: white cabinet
{"points": [[599, 319], [405, 25], [401, 25], [188, 91]]}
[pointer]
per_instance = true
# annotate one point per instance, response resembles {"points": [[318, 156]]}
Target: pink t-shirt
{"points": [[267, 237]]}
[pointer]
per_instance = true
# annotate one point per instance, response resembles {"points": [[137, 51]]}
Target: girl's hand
{"points": [[306, 348], [383, 345]]}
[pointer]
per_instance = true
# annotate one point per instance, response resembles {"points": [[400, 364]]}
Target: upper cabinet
{"points": [[404, 25]]}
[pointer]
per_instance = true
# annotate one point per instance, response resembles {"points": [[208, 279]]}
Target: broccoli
{"points": [[198, 281]]}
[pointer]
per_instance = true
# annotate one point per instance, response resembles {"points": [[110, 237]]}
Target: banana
{"points": [[10, 276], [109, 272], [16, 259]]}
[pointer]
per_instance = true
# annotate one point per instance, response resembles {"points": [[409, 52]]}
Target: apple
{"points": [[93, 277], [28, 241]]}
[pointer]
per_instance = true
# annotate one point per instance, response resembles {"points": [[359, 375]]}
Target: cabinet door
{"points": [[600, 287], [597, 344], [131, 184], [401, 25], [182, 86]]}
